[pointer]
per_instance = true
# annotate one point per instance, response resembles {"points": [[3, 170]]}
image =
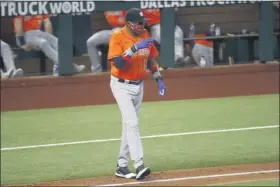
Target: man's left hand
{"points": [[161, 87]]}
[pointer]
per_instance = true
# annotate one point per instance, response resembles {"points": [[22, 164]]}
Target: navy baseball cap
{"points": [[134, 15]]}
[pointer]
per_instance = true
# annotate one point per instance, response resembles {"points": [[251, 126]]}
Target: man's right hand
{"points": [[146, 43], [21, 42]]}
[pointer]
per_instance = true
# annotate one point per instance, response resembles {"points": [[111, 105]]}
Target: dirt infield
{"points": [[190, 177], [92, 89]]}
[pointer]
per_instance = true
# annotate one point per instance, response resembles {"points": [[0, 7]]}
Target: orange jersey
{"points": [[135, 68], [202, 41], [152, 16], [32, 22], [115, 18]]}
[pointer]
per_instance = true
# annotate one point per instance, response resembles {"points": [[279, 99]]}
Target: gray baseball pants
{"points": [[98, 38], [200, 50], [129, 98], [46, 42], [7, 55]]}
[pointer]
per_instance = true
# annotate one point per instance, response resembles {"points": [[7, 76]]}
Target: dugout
{"points": [[231, 18]]}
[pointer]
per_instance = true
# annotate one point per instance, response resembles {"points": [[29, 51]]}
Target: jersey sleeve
{"points": [[115, 48], [154, 52]]}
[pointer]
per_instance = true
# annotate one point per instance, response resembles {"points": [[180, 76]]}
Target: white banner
{"points": [[45, 7], [184, 3]]}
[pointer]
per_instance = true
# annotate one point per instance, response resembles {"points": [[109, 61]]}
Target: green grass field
{"points": [[52, 126]]}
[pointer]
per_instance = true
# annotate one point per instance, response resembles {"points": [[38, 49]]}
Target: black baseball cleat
{"points": [[142, 172], [124, 172]]}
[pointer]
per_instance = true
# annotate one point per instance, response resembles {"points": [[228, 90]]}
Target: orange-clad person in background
{"points": [[129, 50], [153, 22], [152, 16], [117, 20], [24, 24], [203, 49], [30, 36]]}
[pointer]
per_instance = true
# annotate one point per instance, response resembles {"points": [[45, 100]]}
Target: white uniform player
{"points": [[8, 60], [116, 20], [153, 21], [29, 36]]}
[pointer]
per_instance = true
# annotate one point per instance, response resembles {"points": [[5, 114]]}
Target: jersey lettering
{"points": [[135, 69], [143, 52]]}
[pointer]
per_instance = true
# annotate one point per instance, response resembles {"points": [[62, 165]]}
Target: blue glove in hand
{"points": [[144, 43], [161, 87]]}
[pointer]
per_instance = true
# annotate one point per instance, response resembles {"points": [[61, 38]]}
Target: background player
{"points": [[117, 20], [152, 17], [8, 60], [29, 36], [202, 48], [129, 50]]}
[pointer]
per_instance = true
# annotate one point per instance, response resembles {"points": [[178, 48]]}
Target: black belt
{"points": [[129, 82]]}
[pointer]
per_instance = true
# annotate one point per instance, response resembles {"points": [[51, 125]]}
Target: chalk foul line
{"points": [[143, 137], [194, 177]]}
